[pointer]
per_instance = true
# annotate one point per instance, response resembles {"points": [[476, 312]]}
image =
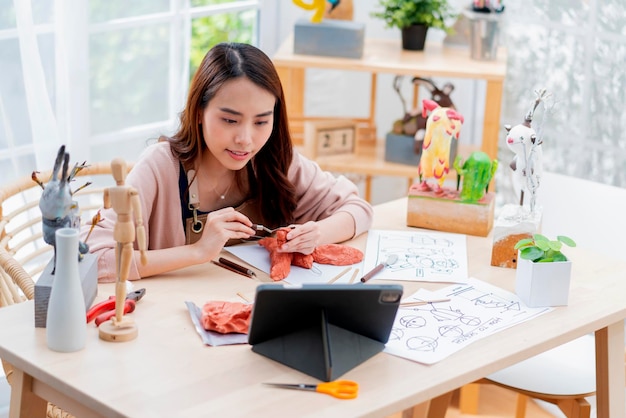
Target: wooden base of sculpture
{"points": [[513, 224], [111, 331], [88, 271], [446, 212]]}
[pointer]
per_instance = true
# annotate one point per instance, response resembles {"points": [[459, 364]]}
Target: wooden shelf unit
{"points": [[387, 56]]}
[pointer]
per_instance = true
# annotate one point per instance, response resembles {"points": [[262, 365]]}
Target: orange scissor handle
{"points": [[342, 389]]}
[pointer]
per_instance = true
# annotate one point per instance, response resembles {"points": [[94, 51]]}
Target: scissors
{"points": [[105, 310], [342, 389]]}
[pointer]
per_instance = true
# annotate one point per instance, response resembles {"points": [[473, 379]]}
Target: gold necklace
{"points": [[222, 196]]}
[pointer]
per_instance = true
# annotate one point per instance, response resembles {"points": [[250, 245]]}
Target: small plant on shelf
{"points": [[540, 249], [414, 18], [404, 13]]}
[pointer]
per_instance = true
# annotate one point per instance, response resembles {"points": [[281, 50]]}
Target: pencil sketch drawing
{"points": [[475, 309]]}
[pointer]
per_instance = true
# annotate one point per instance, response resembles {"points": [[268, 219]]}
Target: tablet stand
{"points": [[324, 351]]}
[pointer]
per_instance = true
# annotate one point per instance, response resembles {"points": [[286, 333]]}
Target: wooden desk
{"points": [[387, 56], [167, 372]]}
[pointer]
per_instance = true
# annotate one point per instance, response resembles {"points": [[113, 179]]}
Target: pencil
{"points": [[217, 263], [356, 272], [242, 296], [236, 266], [422, 302], [334, 279]]}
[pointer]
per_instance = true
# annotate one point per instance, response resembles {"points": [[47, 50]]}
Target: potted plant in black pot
{"points": [[414, 17]]}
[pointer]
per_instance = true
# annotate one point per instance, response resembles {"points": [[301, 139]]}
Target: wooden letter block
{"points": [[450, 214], [513, 224], [88, 270], [332, 38]]}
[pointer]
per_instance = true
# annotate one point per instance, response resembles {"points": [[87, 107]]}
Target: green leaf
{"points": [[559, 257], [543, 244], [523, 243], [555, 245], [531, 253], [566, 240]]}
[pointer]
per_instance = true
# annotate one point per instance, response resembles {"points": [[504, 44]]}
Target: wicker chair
{"points": [[23, 252]]}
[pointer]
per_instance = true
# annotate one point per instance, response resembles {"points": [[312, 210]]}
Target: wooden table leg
{"points": [[418, 411], [610, 398], [468, 398], [24, 403], [439, 405], [435, 408]]}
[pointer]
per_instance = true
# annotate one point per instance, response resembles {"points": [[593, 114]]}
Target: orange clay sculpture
{"points": [[125, 202], [280, 263], [226, 317]]}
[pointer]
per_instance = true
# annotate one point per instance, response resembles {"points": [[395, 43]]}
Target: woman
{"points": [[231, 162]]}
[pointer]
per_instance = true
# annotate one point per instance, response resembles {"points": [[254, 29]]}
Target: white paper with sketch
{"points": [[429, 333], [422, 255], [259, 257]]}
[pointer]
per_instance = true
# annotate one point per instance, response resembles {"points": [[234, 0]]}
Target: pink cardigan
{"points": [[156, 175]]}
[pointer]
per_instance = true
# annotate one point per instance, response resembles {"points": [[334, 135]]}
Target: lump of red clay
{"points": [[280, 263], [337, 255], [226, 317]]}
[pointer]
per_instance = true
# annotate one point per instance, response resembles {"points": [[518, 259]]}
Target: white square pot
{"points": [[543, 284]]}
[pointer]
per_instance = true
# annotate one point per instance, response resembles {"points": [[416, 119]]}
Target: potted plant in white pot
{"points": [[543, 271], [414, 17]]}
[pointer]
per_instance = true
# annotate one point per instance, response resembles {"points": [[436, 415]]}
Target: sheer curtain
{"points": [[104, 77], [44, 133], [71, 68]]}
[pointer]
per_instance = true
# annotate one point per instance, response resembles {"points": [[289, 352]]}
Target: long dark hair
{"points": [[267, 173]]}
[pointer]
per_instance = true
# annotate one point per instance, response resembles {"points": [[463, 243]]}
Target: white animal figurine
{"points": [[527, 162]]}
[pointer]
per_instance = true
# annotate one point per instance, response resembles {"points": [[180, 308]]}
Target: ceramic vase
{"points": [[66, 328], [543, 284]]}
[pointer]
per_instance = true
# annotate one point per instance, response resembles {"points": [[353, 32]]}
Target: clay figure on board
{"points": [[477, 171], [442, 127]]}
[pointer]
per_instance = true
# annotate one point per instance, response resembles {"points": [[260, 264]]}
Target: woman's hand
{"points": [[302, 238], [222, 225]]}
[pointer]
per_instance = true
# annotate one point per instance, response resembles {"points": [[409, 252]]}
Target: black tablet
{"points": [[320, 329]]}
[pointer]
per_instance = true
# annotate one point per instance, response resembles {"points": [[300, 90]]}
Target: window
{"points": [[104, 77]]}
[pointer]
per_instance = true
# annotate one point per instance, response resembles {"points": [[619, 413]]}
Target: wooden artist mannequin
{"points": [[125, 202]]}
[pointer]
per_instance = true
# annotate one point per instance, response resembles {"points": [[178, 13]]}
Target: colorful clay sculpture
{"points": [[280, 263], [477, 171], [318, 5], [442, 127]]}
